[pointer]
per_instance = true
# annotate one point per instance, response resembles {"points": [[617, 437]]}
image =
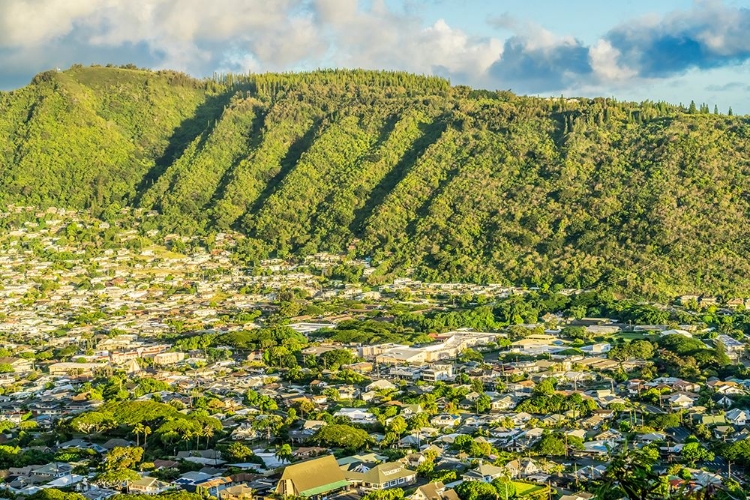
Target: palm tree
{"points": [[137, 430], [284, 453], [208, 431], [199, 433], [146, 431], [187, 437]]}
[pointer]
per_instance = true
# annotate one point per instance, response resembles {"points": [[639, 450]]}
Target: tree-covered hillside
{"points": [[454, 183]]}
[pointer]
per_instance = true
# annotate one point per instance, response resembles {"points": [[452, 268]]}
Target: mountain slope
{"points": [[448, 181]]}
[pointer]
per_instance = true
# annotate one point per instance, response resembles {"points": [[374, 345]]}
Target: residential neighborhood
{"points": [[156, 364]]}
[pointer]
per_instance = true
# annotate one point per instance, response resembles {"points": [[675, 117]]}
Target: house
{"points": [[737, 416], [685, 386], [319, 399], [734, 348], [592, 422], [553, 420], [723, 431], [54, 469], [75, 443], [445, 420], [438, 372], [611, 435], [168, 358], [599, 348], [579, 433], [114, 442], [147, 486], [581, 495], [722, 400], [165, 464], [313, 478], [18, 365], [706, 301], [485, 473], [651, 437], [414, 459], [686, 299], [411, 409], [522, 468], [727, 387], [95, 493], [434, 491], [348, 392], [681, 400], [236, 492], [357, 415], [363, 367], [381, 385], [503, 403], [360, 462], [244, 431], [213, 486], [382, 476], [75, 369], [598, 447], [522, 388], [191, 479], [368, 396], [635, 386], [309, 428]]}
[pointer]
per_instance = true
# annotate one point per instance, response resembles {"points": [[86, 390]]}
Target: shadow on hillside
{"points": [[363, 161], [203, 120], [430, 133], [254, 139], [293, 155]]}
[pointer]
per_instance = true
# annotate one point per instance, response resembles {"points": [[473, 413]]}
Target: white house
{"points": [[681, 400], [445, 420], [737, 416], [380, 385], [356, 415]]}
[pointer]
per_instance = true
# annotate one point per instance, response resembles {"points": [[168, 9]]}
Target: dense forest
{"points": [[444, 181]]}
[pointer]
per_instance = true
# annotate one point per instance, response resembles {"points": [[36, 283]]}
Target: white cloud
{"points": [[33, 22], [335, 12], [456, 51], [605, 63], [201, 36]]}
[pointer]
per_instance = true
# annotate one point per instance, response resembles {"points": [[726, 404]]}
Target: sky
{"points": [[672, 50]]}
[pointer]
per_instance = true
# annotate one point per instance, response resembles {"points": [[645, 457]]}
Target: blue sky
{"points": [[673, 50]]}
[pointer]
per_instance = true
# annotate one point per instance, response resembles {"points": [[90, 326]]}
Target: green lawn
{"points": [[634, 335], [527, 488]]}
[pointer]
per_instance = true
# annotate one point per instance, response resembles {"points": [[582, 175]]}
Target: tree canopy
{"points": [[451, 182]]}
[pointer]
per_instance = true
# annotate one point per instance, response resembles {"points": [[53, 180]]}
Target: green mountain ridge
{"points": [[450, 182]]}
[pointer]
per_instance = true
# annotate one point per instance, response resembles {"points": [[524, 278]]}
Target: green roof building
{"points": [[312, 478]]}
